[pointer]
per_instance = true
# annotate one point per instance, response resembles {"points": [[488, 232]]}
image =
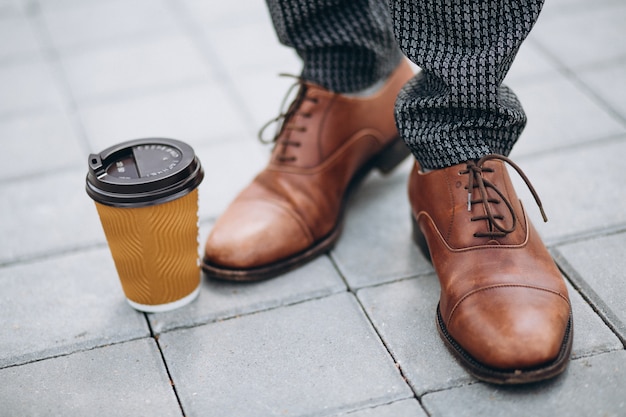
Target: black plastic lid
{"points": [[143, 172]]}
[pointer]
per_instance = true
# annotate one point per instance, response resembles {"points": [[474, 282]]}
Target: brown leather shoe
{"points": [[291, 212], [504, 310]]}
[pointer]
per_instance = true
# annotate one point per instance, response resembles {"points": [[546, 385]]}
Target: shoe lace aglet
{"points": [[543, 214], [469, 201]]}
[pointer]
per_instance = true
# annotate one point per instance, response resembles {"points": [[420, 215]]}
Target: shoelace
{"points": [[284, 118], [476, 180]]}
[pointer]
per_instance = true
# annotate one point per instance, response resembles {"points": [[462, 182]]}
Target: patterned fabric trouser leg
{"points": [[345, 45], [456, 108]]}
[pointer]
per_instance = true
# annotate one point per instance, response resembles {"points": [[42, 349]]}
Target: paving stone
{"points": [[404, 315], [404, 408], [317, 358], [609, 82], [224, 14], [263, 92], [560, 7], [251, 45], [28, 86], [14, 7], [39, 143], [17, 39], [238, 161], [560, 115], [250, 65], [196, 114], [59, 4], [220, 300], [135, 67], [47, 214], [122, 380], [530, 63], [376, 244], [591, 334], [590, 387], [558, 181], [596, 266], [63, 304], [87, 24], [576, 43]]}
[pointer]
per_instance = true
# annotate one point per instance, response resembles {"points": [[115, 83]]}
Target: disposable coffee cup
{"points": [[146, 194]]}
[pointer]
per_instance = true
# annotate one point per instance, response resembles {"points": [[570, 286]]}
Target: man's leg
{"points": [[504, 309], [345, 45], [326, 143], [457, 108]]}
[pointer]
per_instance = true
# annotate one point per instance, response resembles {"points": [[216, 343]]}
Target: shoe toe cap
{"points": [[511, 328], [255, 233]]}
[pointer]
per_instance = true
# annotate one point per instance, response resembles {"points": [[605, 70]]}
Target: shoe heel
{"points": [[392, 156], [419, 239]]}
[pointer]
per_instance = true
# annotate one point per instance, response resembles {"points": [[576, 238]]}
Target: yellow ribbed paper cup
{"points": [[146, 195]]}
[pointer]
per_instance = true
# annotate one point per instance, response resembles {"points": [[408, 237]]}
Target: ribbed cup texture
{"points": [[155, 248]]}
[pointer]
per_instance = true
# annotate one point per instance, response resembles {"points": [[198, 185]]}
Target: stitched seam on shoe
{"points": [[472, 248], [451, 194], [496, 286], [363, 133], [323, 120]]}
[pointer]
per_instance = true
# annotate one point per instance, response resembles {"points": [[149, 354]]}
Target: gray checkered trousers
{"points": [[456, 108]]}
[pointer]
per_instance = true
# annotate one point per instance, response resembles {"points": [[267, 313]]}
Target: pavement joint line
{"points": [[573, 9], [381, 405], [333, 262], [423, 275], [598, 99], [396, 363], [571, 75], [79, 350], [138, 38], [139, 92], [599, 64], [155, 337], [588, 294], [53, 60], [7, 180], [398, 278], [452, 386], [189, 26], [37, 257], [475, 381], [34, 110], [594, 354], [585, 235], [588, 143], [250, 313]]}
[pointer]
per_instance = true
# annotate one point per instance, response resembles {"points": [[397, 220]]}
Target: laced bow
{"points": [[476, 180], [284, 120]]}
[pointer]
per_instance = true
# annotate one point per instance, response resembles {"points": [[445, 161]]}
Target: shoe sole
{"points": [[490, 374], [385, 161]]}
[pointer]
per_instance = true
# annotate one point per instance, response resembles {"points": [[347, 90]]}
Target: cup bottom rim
{"points": [[159, 308]]}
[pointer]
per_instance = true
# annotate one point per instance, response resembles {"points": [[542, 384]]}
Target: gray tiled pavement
{"points": [[352, 333]]}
